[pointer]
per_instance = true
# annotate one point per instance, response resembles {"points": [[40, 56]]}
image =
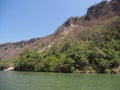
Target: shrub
{"points": [[27, 61]]}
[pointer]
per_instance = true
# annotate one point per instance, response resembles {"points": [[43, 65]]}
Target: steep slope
{"points": [[100, 52], [77, 28]]}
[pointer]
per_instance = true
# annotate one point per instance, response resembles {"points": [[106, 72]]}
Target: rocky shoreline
{"points": [[9, 69]]}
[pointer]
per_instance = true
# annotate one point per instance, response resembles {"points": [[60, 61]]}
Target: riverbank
{"points": [[9, 69]]}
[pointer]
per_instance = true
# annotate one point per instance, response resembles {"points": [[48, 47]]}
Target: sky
{"points": [[26, 19]]}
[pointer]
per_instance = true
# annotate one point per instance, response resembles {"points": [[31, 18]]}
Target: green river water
{"points": [[57, 81]]}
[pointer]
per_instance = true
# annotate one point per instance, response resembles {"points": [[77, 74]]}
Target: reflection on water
{"points": [[57, 81]]}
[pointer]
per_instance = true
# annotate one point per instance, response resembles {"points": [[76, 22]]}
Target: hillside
{"points": [[90, 43]]}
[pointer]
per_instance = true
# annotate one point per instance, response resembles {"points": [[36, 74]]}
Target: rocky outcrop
{"points": [[72, 21], [104, 9], [9, 69], [115, 6], [97, 10]]}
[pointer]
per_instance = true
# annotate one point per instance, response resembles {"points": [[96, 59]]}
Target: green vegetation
{"points": [[1, 65], [101, 55], [6, 48], [27, 61]]}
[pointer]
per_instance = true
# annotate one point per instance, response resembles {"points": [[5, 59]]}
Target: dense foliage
{"points": [[1, 65], [27, 61], [100, 55]]}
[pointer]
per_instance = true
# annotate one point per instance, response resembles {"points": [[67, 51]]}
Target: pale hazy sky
{"points": [[26, 19]]}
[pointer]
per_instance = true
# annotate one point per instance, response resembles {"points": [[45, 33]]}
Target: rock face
{"points": [[97, 10], [9, 69], [104, 9], [75, 27], [72, 21]]}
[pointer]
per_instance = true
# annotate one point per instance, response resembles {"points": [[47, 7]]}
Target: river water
{"points": [[57, 81]]}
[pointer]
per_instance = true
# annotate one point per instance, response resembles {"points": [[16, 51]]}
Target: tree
{"points": [[27, 61]]}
